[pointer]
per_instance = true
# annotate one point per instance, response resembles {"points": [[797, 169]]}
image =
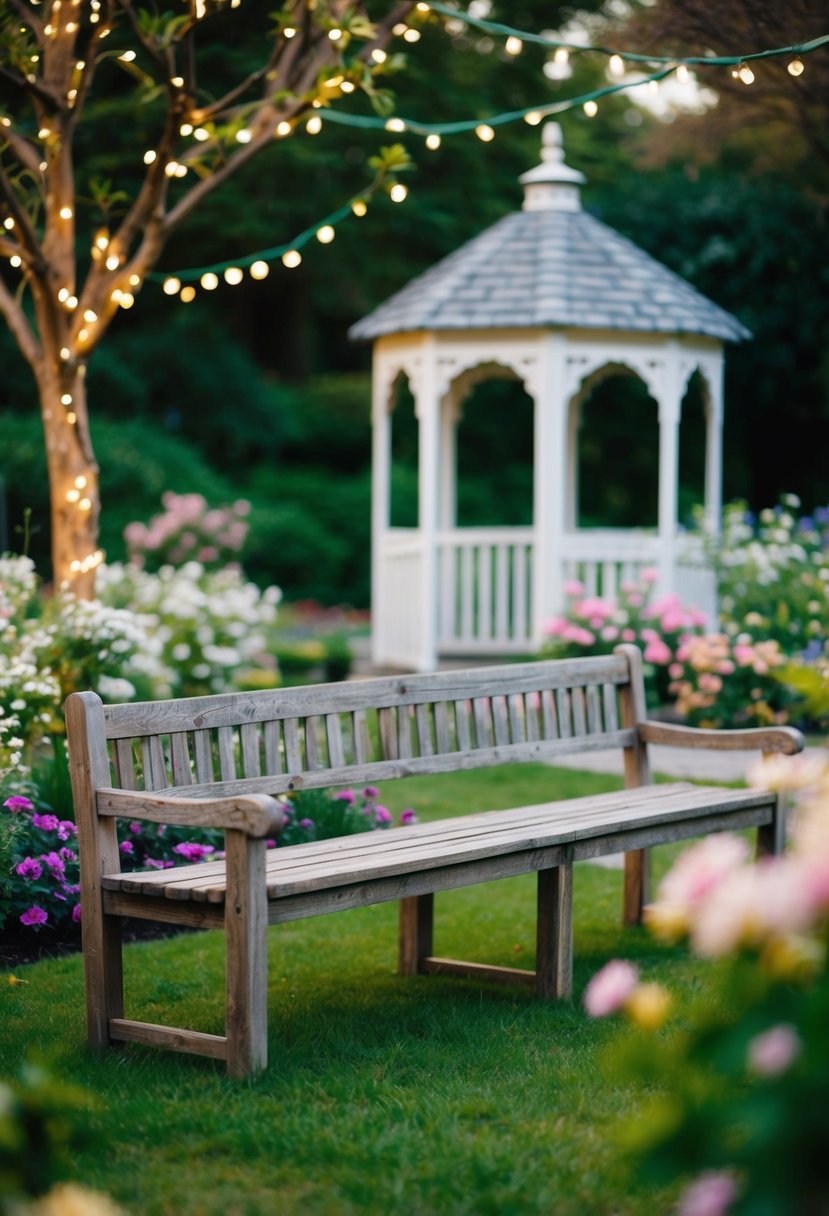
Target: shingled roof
{"points": [[550, 265]]}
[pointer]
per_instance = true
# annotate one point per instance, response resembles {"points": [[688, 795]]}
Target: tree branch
{"points": [[18, 324]]}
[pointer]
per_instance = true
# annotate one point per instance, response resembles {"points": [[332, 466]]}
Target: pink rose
{"points": [[610, 988]]}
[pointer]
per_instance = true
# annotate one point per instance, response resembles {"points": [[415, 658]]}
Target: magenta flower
{"points": [[46, 823], [192, 851], [371, 791], [710, 1195], [66, 828], [382, 815], [306, 823], [610, 988], [55, 863], [18, 803], [126, 846], [29, 868], [34, 916], [407, 817], [76, 913], [345, 796]]}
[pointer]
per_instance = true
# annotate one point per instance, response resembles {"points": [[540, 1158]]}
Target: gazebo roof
{"points": [[549, 266]]}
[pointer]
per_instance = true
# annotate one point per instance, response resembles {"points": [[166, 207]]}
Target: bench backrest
{"points": [[363, 731]]}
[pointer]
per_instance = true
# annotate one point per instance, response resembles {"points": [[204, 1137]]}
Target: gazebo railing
{"points": [[398, 626], [485, 590]]}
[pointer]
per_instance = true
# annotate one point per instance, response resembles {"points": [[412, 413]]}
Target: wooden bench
{"points": [[218, 761]]}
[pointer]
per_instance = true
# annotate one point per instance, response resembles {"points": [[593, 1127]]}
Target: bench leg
{"points": [[104, 975], [416, 928], [246, 930], [637, 877], [771, 838], [554, 940]]}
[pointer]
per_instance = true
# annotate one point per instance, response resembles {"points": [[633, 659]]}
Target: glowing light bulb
{"points": [[90, 316], [66, 399], [291, 258], [244, 136], [289, 31], [591, 109], [15, 260], [485, 133], [63, 294], [171, 286], [233, 275], [283, 128], [209, 281], [101, 241], [746, 74], [379, 55], [71, 418], [66, 213], [81, 482], [314, 125], [72, 302], [8, 223], [400, 29], [72, 495], [533, 118], [44, 133], [561, 56], [127, 57], [186, 129], [177, 82], [259, 270], [395, 124], [796, 67], [171, 168], [65, 353], [85, 505], [325, 234], [135, 280], [411, 35], [348, 86], [200, 134], [398, 192], [359, 207], [433, 142], [83, 334], [513, 45], [113, 262], [616, 65], [127, 299], [149, 157], [683, 75], [335, 35], [187, 294]]}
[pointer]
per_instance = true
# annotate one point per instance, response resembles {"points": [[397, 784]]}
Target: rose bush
{"points": [[189, 530], [737, 1087]]}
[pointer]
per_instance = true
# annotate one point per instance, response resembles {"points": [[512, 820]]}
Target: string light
{"points": [[513, 45], [378, 55], [591, 109], [90, 317], [244, 136], [171, 286], [682, 73], [314, 125], [66, 213], [291, 258], [15, 260], [325, 234], [209, 281], [746, 75], [433, 142], [398, 192], [8, 223], [259, 270], [233, 275], [616, 65], [149, 157], [795, 67], [201, 134], [113, 262], [359, 207], [283, 128], [411, 35], [395, 124], [188, 294]]}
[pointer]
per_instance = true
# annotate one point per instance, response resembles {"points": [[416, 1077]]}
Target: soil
{"points": [[16, 949]]}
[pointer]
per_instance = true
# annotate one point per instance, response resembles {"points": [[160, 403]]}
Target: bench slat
{"points": [[293, 750], [334, 733], [125, 764], [251, 757], [273, 755], [180, 756], [227, 752]]}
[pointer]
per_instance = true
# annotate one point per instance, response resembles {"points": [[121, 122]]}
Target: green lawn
{"points": [[425, 1096]]}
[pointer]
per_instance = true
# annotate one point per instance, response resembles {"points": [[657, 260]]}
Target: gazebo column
{"points": [[427, 409], [450, 415], [713, 451], [550, 490], [380, 506], [670, 409]]}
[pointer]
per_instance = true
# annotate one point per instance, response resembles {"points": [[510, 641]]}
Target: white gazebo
{"points": [[559, 301]]}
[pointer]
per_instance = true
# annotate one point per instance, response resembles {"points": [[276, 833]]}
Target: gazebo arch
{"points": [[559, 301]]}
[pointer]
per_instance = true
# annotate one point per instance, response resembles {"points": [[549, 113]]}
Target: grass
{"points": [[425, 1096]]}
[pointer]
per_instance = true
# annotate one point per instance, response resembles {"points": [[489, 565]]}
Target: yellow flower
{"points": [[67, 1199], [648, 1006], [13, 981], [667, 921]]}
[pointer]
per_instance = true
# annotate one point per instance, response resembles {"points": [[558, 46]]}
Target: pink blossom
{"points": [[610, 988], [371, 791], [596, 608], [774, 1051], [76, 913], [767, 900], [345, 796], [649, 575], [635, 599], [700, 868], [555, 626], [573, 587], [408, 817], [710, 1195], [382, 815], [126, 846], [628, 635], [675, 670], [207, 553], [66, 828], [575, 633], [658, 652], [55, 862], [18, 803], [610, 633], [673, 619], [34, 916]]}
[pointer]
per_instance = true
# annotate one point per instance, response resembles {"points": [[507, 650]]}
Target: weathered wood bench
{"points": [[218, 761]]}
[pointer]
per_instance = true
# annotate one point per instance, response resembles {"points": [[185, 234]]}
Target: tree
{"points": [[78, 247]]}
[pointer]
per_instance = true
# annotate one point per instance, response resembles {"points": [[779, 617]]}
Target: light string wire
{"points": [[401, 125], [506, 31]]}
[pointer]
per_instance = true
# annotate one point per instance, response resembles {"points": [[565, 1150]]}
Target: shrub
{"points": [[187, 530]]}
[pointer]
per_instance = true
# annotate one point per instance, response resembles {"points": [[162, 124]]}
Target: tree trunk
{"points": [[73, 475]]}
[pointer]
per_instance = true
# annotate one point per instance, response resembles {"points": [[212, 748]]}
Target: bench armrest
{"points": [[254, 814], [763, 738]]}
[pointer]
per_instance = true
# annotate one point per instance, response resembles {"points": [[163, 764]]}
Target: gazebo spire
{"points": [[552, 185]]}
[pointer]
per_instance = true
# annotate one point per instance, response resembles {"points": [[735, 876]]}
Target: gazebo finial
{"points": [[552, 185]]}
